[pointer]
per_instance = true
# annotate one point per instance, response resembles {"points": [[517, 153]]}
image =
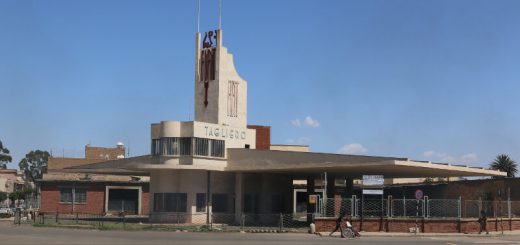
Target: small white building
{"points": [[213, 165]]}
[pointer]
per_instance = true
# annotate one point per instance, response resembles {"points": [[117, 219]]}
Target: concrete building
{"points": [[11, 180], [219, 164]]}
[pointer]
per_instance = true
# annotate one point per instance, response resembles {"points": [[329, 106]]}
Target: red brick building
{"points": [[108, 191]]}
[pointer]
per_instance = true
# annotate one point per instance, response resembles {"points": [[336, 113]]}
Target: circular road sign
{"points": [[419, 194]]}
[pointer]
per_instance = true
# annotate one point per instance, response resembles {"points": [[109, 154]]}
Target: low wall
{"points": [[426, 225]]}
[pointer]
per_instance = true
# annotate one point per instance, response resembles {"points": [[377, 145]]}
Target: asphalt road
{"points": [[21, 235]]}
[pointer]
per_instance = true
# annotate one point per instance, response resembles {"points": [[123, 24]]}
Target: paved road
{"points": [[21, 235]]}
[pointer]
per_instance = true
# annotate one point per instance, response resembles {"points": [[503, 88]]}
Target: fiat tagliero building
{"points": [[219, 164]]}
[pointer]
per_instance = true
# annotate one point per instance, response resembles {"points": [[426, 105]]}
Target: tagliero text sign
{"points": [[225, 133], [373, 180]]}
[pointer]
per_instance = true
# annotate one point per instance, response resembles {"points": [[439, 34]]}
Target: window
{"points": [[201, 147], [65, 194], [171, 146], [79, 194], [201, 202], [185, 146], [170, 202], [220, 203], [156, 146], [182, 146], [217, 148]]}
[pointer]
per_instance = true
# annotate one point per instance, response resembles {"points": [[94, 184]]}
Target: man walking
{"points": [[338, 224]]}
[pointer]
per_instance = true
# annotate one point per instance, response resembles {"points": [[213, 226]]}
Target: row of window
{"points": [[68, 194], [185, 146], [177, 202]]}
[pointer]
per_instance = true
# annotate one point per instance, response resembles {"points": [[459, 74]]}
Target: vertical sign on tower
{"points": [[232, 99]]}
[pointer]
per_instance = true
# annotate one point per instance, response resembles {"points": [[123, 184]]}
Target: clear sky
{"points": [[428, 80]]}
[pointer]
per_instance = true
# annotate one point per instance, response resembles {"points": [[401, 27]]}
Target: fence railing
{"points": [[427, 208], [170, 221], [332, 207]]}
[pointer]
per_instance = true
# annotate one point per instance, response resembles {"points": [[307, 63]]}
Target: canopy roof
{"points": [[251, 160]]}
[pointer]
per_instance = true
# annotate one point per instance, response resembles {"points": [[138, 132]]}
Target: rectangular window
{"points": [[79, 194], [201, 147], [65, 194], [217, 148], [201, 202], [185, 146], [170, 202], [156, 147], [220, 203]]}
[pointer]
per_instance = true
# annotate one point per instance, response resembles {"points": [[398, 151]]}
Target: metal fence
{"points": [[280, 222], [171, 221], [428, 208]]}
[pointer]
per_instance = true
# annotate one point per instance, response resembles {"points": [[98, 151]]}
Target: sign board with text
{"points": [[372, 192], [373, 180]]}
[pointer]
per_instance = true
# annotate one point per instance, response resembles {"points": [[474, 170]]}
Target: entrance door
{"points": [[123, 201]]}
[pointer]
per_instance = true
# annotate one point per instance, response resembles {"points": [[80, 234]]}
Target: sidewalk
{"points": [[403, 234]]}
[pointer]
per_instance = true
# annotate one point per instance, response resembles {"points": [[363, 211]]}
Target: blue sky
{"points": [[429, 80]]}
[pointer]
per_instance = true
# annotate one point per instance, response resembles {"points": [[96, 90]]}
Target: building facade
{"points": [[220, 164], [109, 191]]}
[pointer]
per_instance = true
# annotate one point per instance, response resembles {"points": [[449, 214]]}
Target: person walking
{"points": [[351, 227], [482, 220], [338, 224]]}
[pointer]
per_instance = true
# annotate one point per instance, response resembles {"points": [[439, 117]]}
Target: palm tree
{"points": [[505, 164]]}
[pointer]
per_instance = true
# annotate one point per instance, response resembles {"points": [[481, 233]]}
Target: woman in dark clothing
{"points": [[482, 220]]}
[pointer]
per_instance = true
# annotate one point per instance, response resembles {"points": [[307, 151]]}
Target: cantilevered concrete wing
{"points": [[248, 160]]}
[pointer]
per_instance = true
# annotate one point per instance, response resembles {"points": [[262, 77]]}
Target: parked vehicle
{"points": [[6, 211]]}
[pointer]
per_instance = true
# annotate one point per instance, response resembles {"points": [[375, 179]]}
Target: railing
{"points": [[410, 208], [170, 221], [332, 207]]}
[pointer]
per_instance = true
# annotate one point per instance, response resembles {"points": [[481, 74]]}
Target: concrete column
{"points": [[329, 189], [349, 187], [208, 197], [239, 191], [310, 190]]}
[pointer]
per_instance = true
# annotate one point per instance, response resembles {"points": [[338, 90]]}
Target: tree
{"points": [[505, 164], [34, 164], [5, 158], [3, 196]]}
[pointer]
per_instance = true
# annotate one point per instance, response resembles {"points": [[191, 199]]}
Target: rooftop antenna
{"points": [[219, 14], [198, 17]]}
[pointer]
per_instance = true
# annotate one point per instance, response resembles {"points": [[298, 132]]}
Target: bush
{"points": [[2, 216]]}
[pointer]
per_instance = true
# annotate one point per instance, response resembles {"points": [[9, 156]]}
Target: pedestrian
{"points": [[482, 220], [351, 227], [338, 224]]}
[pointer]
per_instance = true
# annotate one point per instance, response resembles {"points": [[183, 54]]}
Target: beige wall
{"points": [[233, 136], [8, 179], [216, 110], [191, 182], [298, 148]]}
